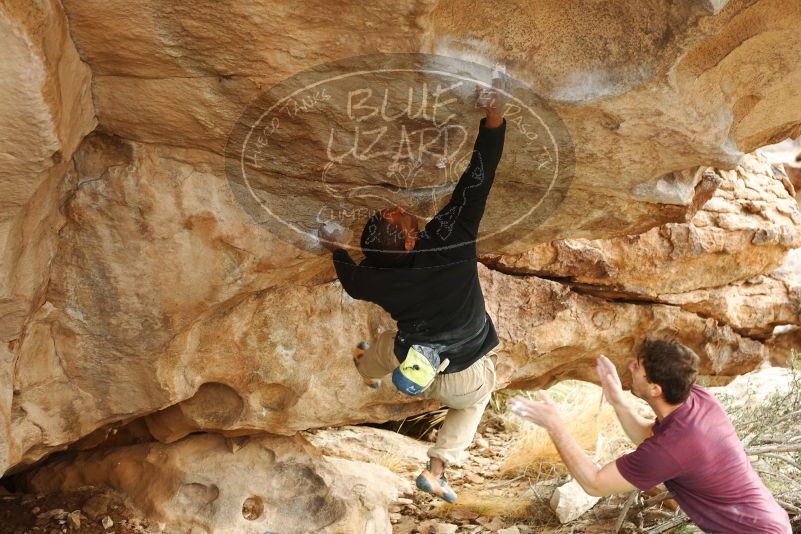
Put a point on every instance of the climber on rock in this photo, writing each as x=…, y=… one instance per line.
x=428, y=281
x=692, y=447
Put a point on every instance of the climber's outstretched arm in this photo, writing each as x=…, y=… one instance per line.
x=594, y=481
x=459, y=220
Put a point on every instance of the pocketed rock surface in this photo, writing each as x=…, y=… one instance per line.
x=141, y=304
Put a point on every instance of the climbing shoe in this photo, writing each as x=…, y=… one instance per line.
x=358, y=354
x=438, y=487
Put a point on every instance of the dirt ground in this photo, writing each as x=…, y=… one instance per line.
x=84, y=511
x=490, y=502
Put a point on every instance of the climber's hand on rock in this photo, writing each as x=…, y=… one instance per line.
x=333, y=236
x=493, y=99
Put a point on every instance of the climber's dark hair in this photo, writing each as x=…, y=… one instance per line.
x=382, y=242
x=671, y=365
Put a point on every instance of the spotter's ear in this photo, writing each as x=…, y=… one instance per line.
x=656, y=390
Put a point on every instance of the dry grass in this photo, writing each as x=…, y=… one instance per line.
x=503, y=506
x=396, y=463
x=771, y=435
x=424, y=423
x=594, y=426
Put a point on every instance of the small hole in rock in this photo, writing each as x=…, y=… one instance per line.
x=252, y=508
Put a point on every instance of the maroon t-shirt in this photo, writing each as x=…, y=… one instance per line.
x=697, y=454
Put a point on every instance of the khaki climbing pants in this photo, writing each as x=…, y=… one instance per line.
x=465, y=393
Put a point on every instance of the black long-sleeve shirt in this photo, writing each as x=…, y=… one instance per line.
x=435, y=294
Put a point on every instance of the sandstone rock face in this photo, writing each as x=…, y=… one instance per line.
x=246, y=486
x=214, y=375
x=781, y=346
x=712, y=265
x=371, y=445
x=47, y=101
x=45, y=110
x=167, y=278
x=552, y=333
x=138, y=291
x=786, y=156
x=753, y=307
x=744, y=229
x=180, y=73
x=136, y=295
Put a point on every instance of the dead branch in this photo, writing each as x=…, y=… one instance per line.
x=760, y=450
x=656, y=499
x=789, y=507
x=785, y=459
x=667, y=525
x=626, y=506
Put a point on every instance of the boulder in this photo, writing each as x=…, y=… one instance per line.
x=650, y=93
x=46, y=99
x=569, y=502
x=247, y=485
x=753, y=307
x=138, y=294
x=756, y=387
x=252, y=363
x=395, y=451
x=551, y=333
x=745, y=228
x=165, y=304
x=46, y=109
